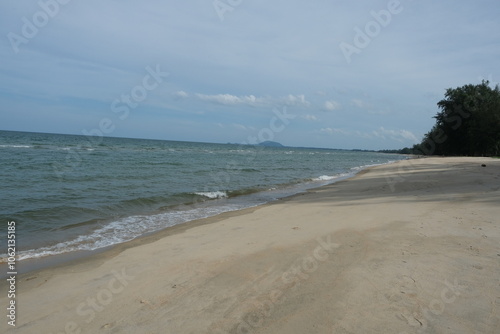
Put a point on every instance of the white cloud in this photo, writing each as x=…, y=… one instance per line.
x=240, y=127
x=360, y=103
x=181, y=94
x=331, y=105
x=228, y=99
x=253, y=101
x=382, y=133
x=295, y=100
x=332, y=131
x=310, y=117
x=363, y=134
x=399, y=135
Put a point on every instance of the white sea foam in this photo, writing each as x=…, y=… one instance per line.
x=212, y=194
x=325, y=178
x=124, y=230
x=339, y=176
x=357, y=169
x=16, y=146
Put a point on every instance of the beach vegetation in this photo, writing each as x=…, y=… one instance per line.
x=468, y=124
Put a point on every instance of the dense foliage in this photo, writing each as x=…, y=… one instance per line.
x=468, y=124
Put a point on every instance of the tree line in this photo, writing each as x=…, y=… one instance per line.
x=468, y=124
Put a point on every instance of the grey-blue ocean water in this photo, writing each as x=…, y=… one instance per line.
x=69, y=193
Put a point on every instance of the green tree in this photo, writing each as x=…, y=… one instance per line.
x=468, y=123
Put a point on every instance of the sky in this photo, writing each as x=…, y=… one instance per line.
x=332, y=74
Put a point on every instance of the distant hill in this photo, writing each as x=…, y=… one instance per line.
x=270, y=144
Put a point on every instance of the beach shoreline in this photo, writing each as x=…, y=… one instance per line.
x=27, y=266
x=376, y=252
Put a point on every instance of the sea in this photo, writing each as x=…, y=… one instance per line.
x=70, y=193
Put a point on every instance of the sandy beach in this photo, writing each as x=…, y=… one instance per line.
x=410, y=247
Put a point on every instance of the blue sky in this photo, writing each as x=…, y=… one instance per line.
x=342, y=74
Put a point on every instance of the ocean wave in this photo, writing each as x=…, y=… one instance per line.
x=249, y=170
x=16, y=146
x=359, y=168
x=212, y=194
x=325, y=178
x=333, y=177
x=49, y=147
x=124, y=230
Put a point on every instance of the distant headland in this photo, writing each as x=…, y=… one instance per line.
x=269, y=143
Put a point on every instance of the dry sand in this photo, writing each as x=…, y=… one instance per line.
x=411, y=247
